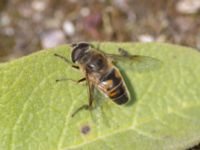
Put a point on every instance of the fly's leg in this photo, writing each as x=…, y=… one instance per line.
x=63, y=58
x=91, y=91
x=86, y=107
x=66, y=60
x=90, y=101
x=74, y=66
x=76, y=81
x=68, y=79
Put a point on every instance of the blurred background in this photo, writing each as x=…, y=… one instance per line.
x=30, y=25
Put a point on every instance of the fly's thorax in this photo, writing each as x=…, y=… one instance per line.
x=88, y=58
x=93, y=62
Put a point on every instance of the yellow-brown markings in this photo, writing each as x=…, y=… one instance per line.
x=109, y=84
x=112, y=94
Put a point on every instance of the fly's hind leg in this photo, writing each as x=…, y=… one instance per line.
x=90, y=101
x=79, y=109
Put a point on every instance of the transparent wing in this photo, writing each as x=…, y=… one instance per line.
x=135, y=62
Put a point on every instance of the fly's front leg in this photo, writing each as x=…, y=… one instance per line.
x=66, y=60
x=74, y=66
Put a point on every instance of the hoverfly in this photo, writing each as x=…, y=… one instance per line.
x=100, y=71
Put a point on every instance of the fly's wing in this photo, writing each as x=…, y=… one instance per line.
x=132, y=62
x=135, y=62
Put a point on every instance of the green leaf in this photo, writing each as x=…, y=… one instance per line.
x=35, y=111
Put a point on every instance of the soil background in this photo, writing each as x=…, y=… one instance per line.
x=30, y=25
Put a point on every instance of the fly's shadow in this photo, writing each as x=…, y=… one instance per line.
x=127, y=80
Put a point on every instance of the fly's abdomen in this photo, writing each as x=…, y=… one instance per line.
x=119, y=94
x=113, y=86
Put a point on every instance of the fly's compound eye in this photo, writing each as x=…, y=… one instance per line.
x=79, y=51
x=82, y=45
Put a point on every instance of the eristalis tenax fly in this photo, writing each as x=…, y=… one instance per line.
x=100, y=71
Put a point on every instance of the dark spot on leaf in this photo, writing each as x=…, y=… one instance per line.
x=85, y=129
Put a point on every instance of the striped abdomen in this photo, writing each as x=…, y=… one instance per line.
x=112, y=85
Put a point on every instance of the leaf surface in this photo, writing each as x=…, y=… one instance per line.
x=164, y=112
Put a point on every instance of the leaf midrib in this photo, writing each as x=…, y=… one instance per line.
x=132, y=127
